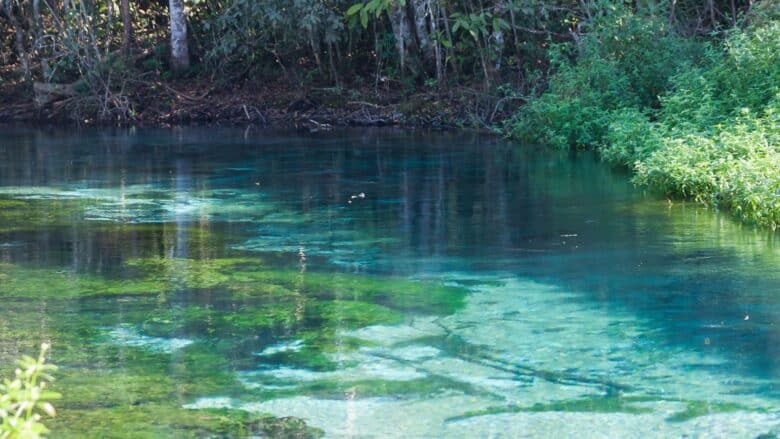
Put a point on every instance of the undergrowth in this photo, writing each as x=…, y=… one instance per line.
x=695, y=119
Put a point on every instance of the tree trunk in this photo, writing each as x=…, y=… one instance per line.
x=180, y=56
x=109, y=25
x=419, y=11
x=398, y=24
x=448, y=34
x=334, y=71
x=127, y=26
x=19, y=38
x=436, y=44
x=39, y=32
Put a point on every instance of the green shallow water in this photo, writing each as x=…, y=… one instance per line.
x=377, y=284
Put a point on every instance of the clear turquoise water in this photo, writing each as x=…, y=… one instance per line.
x=377, y=284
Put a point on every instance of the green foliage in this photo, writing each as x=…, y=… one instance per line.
x=363, y=11
x=737, y=167
x=698, y=120
x=25, y=399
x=625, y=60
x=250, y=34
x=719, y=130
x=630, y=137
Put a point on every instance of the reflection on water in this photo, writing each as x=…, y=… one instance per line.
x=377, y=283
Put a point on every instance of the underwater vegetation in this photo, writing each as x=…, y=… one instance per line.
x=16, y=215
x=614, y=404
x=179, y=309
x=141, y=341
x=170, y=330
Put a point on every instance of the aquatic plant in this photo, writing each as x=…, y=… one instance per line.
x=250, y=277
x=694, y=409
x=24, y=282
x=33, y=214
x=25, y=399
x=155, y=420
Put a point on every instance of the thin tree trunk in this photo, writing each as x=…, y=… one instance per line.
x=712, y=14
x=484, y=62
x=378, y=57
x=448, y=33
x=515, y=38
x=315, y=50
x=87, y=24
x=109, y=25
x=436, y=44
x=333, y=69
x=127, y=26
x=24, y=56
x=418, y=12
x=398, y=23
x=45, y=69
x=180, y=56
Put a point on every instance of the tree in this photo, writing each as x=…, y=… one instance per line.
x=180, y=56
x=127, y=25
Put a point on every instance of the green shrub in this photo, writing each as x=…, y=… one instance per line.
x=631, y=137
x=736, y=168
x=696, y=120
x=24, y=400
x=625, y=61
x=721, y=130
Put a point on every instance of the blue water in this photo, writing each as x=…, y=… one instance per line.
x=591, y=307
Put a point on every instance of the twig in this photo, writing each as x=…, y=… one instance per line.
x=501, y=101
x=265, y=122
x=367, y=104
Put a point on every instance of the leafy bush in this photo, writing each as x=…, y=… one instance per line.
x=278, y=33
x=691, y=119
x=720, y=130
x=24, y=399
x=625, y=61
x=630, y=137
x=737, y=167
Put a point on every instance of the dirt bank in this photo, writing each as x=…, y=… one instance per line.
x=318, y=108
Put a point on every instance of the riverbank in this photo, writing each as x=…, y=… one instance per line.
x=697, y=120
x=198, y=101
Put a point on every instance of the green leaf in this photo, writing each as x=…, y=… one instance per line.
x=500, y=24
x=354, y=9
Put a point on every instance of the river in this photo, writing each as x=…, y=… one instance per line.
x=377, y=283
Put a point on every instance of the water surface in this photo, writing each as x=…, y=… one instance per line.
x=377, y=284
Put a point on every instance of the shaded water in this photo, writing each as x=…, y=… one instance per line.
x=377, y=283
